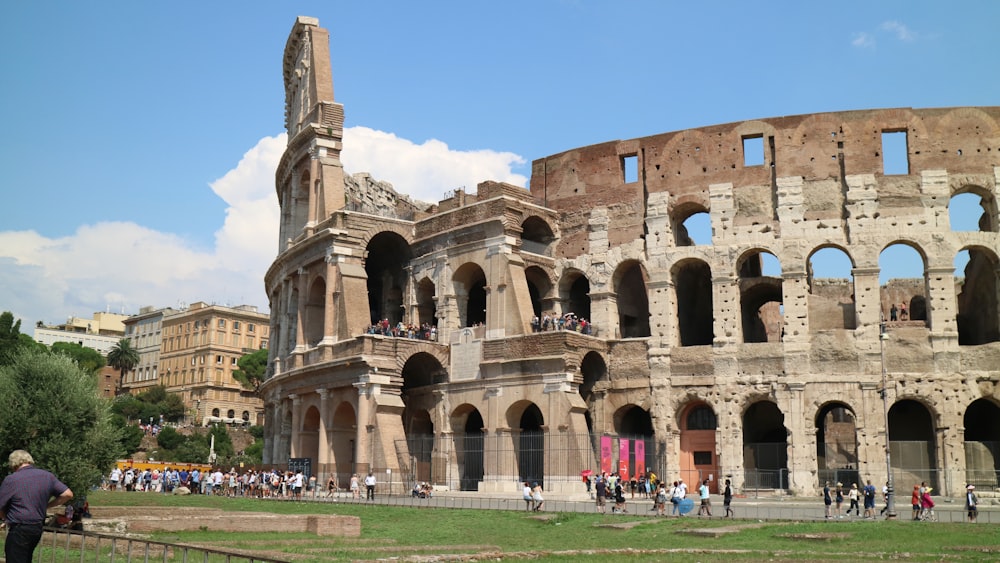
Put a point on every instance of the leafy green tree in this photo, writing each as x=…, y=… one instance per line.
x=193, y=450
x=11, y=339
x=154, y=395
x=88, y=359
x=169, y=439
x=172, y=407
x=223, y=443
x=123, y=358
x=128, y=407
x=131, y=435
x=253, y=369
x=52, y=409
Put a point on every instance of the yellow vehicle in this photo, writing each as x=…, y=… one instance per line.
x=125, y=464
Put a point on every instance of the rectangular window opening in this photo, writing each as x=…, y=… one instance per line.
x=895, y=160
x=702, y=458
x=630, y=168
x=753, y=150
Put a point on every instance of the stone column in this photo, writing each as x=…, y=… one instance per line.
x=295, y=447
x=267, y=454
x=300, y=327
x=867, y=298
x=324, y=436
x=329, y=303
x=801, y=462
x=951, y=459
x=726, y=308
x=603, y=306
x=364, y=443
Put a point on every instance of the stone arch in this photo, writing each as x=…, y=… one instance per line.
x=765, y=446
x=422, y=369
x=699, y=455
x=528, y=431
x=900, y=289
x=343, y=429
x=982, y=443
x=300, y=204
x=832, y=300
x=913, y=442
x=761, y=297
x=634, y=423
x=574, y=292
x=978, y=316
x=629, y=282
x=470, y=291
x=836, y=443
x=692, y=280
x=309, y=434
x=418, y=429
x=537, y=236
x=987, y=203
x=539, y=289
x=315, y=311
x=386, y=258
x=469, y=432
x=691, y=216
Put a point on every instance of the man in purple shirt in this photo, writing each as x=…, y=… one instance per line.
x=25, y=495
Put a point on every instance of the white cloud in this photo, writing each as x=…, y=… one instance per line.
x=123, y=265
x=901, y=32
x=863, y=40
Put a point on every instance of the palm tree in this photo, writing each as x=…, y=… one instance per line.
x=124, y=358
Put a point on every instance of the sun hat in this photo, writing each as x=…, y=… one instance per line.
x=971, y=487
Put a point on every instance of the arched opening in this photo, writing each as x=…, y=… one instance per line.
x=831, y=290
x=693, y=287
x=761, y=297
x=314, y=313
x=231, y=414
x=912, y=443
x=633, y=423
x=836, y=444
x=246, y=416
x=470, y=293
x=309, y=435
x=385, y=261
x=419, y=430
x=215, y=413
x=422, y=370
x=536, y=236
x=593, y=369
x=765, y=447
x=529, y=441
x=426, y=305
x=633, y=301
x=469, y=430
x=982, y=444
x=574, y=290
x=539, y=289
x=300, y=205
x=342, y=433
x=972, y=209
x=692, y=225
x=699, y=457
x=903, y=277
x=976, y=285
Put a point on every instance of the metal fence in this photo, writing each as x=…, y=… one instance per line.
x=59, y=545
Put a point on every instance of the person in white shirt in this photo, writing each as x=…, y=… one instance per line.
x=370, y=485
x=115, y=478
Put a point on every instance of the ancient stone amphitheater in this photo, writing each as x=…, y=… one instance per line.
x=702, y=356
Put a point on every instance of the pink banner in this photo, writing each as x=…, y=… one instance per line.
x=623, y=458
x=640, y=457
x=606, y=454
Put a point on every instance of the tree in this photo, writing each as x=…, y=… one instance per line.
x=123, y=358
x=11, y=339
x=52, y=408
x=169, y=439
x=253, y=369
x=88, y=359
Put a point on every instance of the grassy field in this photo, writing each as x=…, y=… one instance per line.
x=421, y=533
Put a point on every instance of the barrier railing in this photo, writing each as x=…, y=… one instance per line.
x=59, y=545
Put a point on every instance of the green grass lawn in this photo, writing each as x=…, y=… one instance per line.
x=398, y=532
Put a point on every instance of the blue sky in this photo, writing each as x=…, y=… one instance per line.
x=139, y=138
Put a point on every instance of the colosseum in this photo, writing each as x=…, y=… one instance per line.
x=585, y=323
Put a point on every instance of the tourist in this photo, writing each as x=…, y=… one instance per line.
x=536, y=495
x=676, y=496
x=915, y=501
x=727, y=500
x=706, y=500
x=854, y=495
x=661, y=500
x=331, y=485
x=370, y=486
x=971, y=502
x=869, y=494
x=529, y=502
x=25, y=495
x=839, y=499
x=601, y=488
x=355, y=486
x=827, y=501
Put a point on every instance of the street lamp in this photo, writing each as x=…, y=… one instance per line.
x=890, y=506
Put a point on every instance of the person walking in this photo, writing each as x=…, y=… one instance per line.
x=854, y=495
x=727, y=500
x=706, y=500
x=536, y=495
x=827, y=501
x=869, y=498
x=529, y=502
x=839, y=499
x=970, y=502
x=25, y=495
x=370, y=486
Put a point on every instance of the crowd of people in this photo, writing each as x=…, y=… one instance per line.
x=613, y=488
x=569, y=321
x=424, y=331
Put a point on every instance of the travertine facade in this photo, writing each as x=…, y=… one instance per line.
x=706, y=360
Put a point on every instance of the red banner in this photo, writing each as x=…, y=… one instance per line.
x=623, y=459
x=640, y=458
x=606, y=454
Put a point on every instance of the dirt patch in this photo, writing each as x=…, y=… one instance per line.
x=822, y=536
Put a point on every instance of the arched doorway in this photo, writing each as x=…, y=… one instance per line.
x=468, y=428
x=982, y=444
x=633, y=302
x=342, y=433
x=699, y=457
x=633, y=423
x=574, y=290
x=912, y=443
x=765, y=447
x=836, y=444
x=309, y=436
x=386, y=257
x=470, y=292
x=529, y=441
x=314, y=313
x=693, y=289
